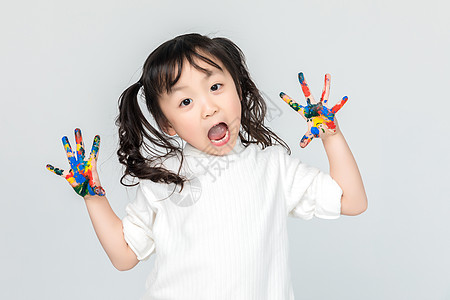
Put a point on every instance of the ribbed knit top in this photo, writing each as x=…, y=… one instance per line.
x=224, y=236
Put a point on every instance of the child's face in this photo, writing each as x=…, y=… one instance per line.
x=198, y=102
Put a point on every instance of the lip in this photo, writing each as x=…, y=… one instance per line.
x=218, y=124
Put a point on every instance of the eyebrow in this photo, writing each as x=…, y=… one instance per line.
x=207, y=75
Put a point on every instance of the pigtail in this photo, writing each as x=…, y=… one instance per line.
x=133, y=130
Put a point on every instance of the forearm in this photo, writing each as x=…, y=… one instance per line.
x=344, y=170
x=109, y=230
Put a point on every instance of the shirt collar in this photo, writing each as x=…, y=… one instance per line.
x=212, y=166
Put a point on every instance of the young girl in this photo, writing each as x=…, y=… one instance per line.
x=214, y=210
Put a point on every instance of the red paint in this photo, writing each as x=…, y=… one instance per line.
x=338, y=106
x=323, y=95
x=69, y=175
x=330, y=124
x=91, y=178
x=326, y=88
x=305, y=89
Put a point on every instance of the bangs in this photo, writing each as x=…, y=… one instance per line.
x=167, y=71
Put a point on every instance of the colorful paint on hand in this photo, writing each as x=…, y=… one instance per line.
x=319, y=117
x=80, y=176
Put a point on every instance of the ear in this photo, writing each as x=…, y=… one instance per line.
x=168, y=129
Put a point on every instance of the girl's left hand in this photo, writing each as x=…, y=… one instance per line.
x=319, y=117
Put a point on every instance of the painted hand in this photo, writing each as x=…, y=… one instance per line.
x=83, y=175
x=320, y=118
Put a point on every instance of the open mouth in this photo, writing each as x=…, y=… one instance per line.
x=219, y=134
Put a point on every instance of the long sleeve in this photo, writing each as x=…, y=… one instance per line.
x=138, y=225
x=308, y=191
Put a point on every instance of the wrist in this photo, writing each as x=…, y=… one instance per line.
x=329, y=138
x=89, y=197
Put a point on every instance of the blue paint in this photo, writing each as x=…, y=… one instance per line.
x=301, y=78
x=315, y=131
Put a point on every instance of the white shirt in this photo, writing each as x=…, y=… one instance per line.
x=224, y=236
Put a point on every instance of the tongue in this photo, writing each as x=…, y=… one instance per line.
x=217, y=132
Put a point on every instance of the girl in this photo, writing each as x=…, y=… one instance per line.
x=213, y=211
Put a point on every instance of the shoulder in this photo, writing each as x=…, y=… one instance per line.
x=157, y=191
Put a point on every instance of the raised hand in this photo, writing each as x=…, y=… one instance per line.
x=319, y=117
x=83, y=175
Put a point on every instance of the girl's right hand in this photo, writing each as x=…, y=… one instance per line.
x=82, y=176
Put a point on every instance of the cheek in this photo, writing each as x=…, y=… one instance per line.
x=238, y=107
x=187, y=124
x=237, y=111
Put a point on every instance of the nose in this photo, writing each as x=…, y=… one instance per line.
x=209, y=107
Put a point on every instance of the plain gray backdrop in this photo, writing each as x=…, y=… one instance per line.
x=65, y=63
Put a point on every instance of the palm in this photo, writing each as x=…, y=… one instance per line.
x=319, y=117
x=83, y=174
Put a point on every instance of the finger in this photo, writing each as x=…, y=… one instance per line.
x=339, y=105
x=80, y=145
x=306, y=139
x=55, y=170
x=95, y=148
x=305, y=89
x=297, y=107
x=326, y=89
x=69, y=152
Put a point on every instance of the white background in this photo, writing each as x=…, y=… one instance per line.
x=63, y=65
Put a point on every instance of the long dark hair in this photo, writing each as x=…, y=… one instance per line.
x=158, y=76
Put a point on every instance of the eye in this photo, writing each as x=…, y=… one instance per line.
x=184, y=101
x=215, y=87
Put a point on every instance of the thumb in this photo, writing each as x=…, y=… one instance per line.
x=306, y=139
x=99, y=191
